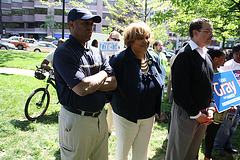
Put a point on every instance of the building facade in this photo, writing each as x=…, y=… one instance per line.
x=24, y=17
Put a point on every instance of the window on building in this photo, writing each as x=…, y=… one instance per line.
x=18, y=1
x=14, y=25
x=59, y=12
x=104, y=15
x=6, y=1
x=66, y=1
x=38, y=24
x=30, y=25
x=89, y=2
x=94, y=13
x=111, y=2
x=6, y=12
x=27, y=11
x=40, y=10
x=17, y=12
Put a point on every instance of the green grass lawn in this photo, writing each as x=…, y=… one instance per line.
x=22, y=139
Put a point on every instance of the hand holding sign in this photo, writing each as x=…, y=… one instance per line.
x=226, y=90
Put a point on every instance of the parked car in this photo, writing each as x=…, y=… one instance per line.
x=168, y=53
x=23, y=43
x=6, y=46
x=16, y=38
x=42, y=47
x=55, y=42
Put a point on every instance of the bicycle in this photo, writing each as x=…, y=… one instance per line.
x=38, y=101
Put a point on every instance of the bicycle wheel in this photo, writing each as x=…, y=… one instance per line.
x=37, y=104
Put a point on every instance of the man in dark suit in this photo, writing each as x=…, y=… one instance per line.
x=193, y=106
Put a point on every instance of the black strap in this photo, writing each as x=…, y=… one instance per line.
x=83, y=113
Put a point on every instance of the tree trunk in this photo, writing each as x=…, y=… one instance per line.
x=223, y=44
x=145, y=10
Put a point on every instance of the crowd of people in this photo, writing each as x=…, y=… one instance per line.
x=132, y=81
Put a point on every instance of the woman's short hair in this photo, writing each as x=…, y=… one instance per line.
x=196, y=24
x=113, y=33
x=216, y=52
x=135, y=31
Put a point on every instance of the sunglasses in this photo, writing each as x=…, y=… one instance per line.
x=115, y=39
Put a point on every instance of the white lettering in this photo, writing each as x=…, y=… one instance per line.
x=220, y=93
x=233, y=87
x=227, y=87
x=222, y=80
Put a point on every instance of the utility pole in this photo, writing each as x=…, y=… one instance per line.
x=63, y=16
x=145, y=16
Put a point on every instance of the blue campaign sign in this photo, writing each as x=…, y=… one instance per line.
x=108, y=46
x=226, y=90
x=237, y=75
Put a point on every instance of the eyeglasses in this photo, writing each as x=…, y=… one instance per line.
x=208, y=31
x=116, y=39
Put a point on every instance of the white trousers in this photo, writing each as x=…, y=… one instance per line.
x=110, y=119
x=135, y=135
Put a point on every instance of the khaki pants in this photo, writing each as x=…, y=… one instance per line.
x=135, y=135
x=185, y=135
x=82, y=137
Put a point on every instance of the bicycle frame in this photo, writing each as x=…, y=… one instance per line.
x=49, y=81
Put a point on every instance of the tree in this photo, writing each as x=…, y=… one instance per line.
x=160, y=33
x=125, y=12
x=224, y=15
x=74, y=3
x=50, y=23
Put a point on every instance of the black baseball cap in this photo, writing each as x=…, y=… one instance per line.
x=84, y=14
x=236, y=48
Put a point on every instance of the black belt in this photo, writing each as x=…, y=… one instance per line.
x=82, y=113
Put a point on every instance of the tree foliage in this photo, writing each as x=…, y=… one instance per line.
x=125, y=12
x=50, y=23
x=224, y=15
x=74, y=3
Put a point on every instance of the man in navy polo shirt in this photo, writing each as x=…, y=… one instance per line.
x=82, y=77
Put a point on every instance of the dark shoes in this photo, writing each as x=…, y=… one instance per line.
x=231, y=150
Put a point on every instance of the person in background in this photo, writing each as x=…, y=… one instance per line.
x=218, y=57
x=49, y=58
x=113, y=37
x=82, y=77
x=193, y=105
x=157, y=48
x=223, y=140
x=95, y=43
x=138, y=95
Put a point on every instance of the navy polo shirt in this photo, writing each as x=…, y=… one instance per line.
x=72, y=63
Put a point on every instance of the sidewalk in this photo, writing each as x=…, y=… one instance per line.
x=17, y=71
